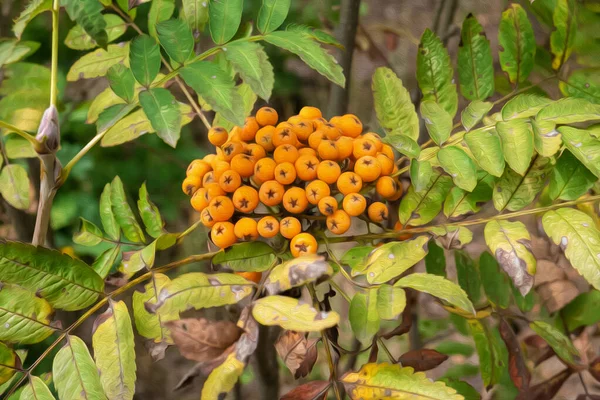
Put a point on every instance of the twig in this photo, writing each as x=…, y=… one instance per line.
x=387, y=351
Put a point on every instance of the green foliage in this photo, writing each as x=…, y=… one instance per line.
x=87, y=13
x=517, y=44
x=271, y=14
x=475, y=62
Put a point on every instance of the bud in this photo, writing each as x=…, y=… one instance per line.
x=49, y=132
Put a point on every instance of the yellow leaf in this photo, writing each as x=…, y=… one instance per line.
x=223, y=378
x=97, y=63
x=292, y=314
x=148, y=324
x=297, y=272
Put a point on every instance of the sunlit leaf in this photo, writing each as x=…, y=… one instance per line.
x=569, y=110
x=390, y=301
x=123, y=213
x=149, y=213
x=583, y=146
x=457, y=163
x=195, y=13
x=452, y=236
x=14, y=186
x=105, y=261
x=36, y=389
x=12, y=50
x=88, y=14
x=517, y=44
x=355, y=258
x=475, y=63
x=97, y=63
x=9, y=362
x=296, y=272
x=79, y=39
x=582, y=83
x=569, y=179
x=437, y=286
x=420, y=207
x=437, y=121
x=121, y=82
x=160, y=10
x=524, y=105
x=486, y=147
x=517, y=143
x=107, y=216
x=403, y=144
x=561, y=344
x=88, y=234
x=33, y=8
x=563, y=37
x=292, y=314
x=546, y=139
x=252, y=63
x=134, y=261
x=224, y=19
x=460, y=202
x=474, y=113
x=271, y=14
x=150, y=325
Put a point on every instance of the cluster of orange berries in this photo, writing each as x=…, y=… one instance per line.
x=303, y=166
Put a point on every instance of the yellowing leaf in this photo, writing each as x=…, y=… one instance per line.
x=150, y=325
x=386, y=381
x=419, y=207
x=8, y=363
x=296, y=272
x=14, y=186
x=390, y=301
x=98, y=62
x=563, y=37
x=583, y=146
x=36, y=389
x=292, y=314
x=517, y=143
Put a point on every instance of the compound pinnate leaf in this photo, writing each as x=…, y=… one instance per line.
x=79, y=39
x=24, y=317
x=486, y=147
x=162, y=110
x=74, y=372
x=570, y=179
x=524, y=105
x=32, y=9
x=292, y=314
x=105, y=261
x=517, y=44
x=203, y=340
x=391, y=302
x=296, y=272
x=439, y=287
x=393, y=105
x=510, y=244
x=123, y=213
x=437, y=121
x=151, y=325
x=97, y=63
x=475, y=62
x=561, y=344
x=474, y=113
x=36, y=389
x=435, y=73
x=114, y=351
x=379, y=381
x=252, y=63
x=562, y=38
x=310, y=52
x=88, y=14
x=176, y=38
x=363, y=315
x=195, y=13
x=225, y=17
x=149, y=213
x=569, y=110
x=14, y=186
x=392, y=259
x=579, y=238
x=198, y=290
x=121, y=82
x=457, y=163
x=420, y=207
x=584, y=146
x=255, y=256
x=88, y=234
x=65, y=282
x=517, y=143
x=144, y=59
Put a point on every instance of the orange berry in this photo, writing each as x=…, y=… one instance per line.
x=213, y=190
x=198, y=200
x=378, y=212
x=338, y=222
x=364, y=147
x=285, y=173
x=217, y=135
x=235, y=134
x=208, y=178
x=350, y=125
x=209, y=158
x=221, y=208
x=399, y=192
x=230, y=181
x=315, y=139
x=232, y=149
x=191, y=184
x=328, y=171
x=307, y=151
x=245, y=199
x=387, y=164
x=284, y=135
x=368, y=168
x=243, y=164
x=327, y=205
x=388, y=151
x=264, y=169
x=264, y=137
x=251, y=276
x=294, y=200
x=246, y=229
x=222, y=234
x=198, y=168
x=375, y=138
x=284, y=124
x=386, y=187
x=349, y=182
x=402, y=236
x=345, y=146
x=303, y=129
x=294, y=119
x=303, y=244
x=255, y=151
x=290, y=227
x=354, y=204
x=316, y=190
x=310, y=112
x=306, y=167
x=266, y=116
x=249, y=129
x=285, y=153
x=219, y=168
x=268, y=226
x=328, y=150
x=206, y=219
x=271, y=193
x=331, y=131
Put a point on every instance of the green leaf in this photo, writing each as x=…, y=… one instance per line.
x=296, y=272
x=380, y=381
x=198, y=290
x=149, y=213
x=88, y=234
x=392, y=259
x=524, y=105
x=517, y=143
x=569, y=110
x=88, y=14
x=105, y=261
x=74, y=372
x=391, y=301
x=579, y=238
x=17, y=147
x=569, y=179
x=517, y=44
x=97, y=63
x=513, y=192
x=435, y=260
x=12, y=50
x=468, y=275
x=36, y=389
x=162, y=110
x=248, y=99
x=315, y=34
x=160, y=10
x=420, y=207
x=582, y=311
x=144, y=58
x=561, y=344
x=457, y=163
x=176, y=38
x=495, y=283
x=106, y=99
x=475, y=62
x=121, y=82
x=65, y=282
x=255, y=256
x=524, y=303
x=224, y=19
x=420, y=173
x=486, y=147
x=134, y=261
x=462, y=388
x=252, y=63
x=271, y=15
x=195, y=13
x=355, y=257
x=452, y=236
x=437, y=286
x=474, y=113
x=78, y=38
x=510, y=244
x=546, y=139
x=363, y=315
x=582, y=83
x=490, y=364
x=114, y=351
x=563, y=37
x=583, y=146
x=123, y=213
x=435, y=73
x=107, y=216
x=9, y=362
x=459, y=202
x=33, y=8
x=216, y=87
x=14, y=186
x=403, y=144
x=437, y=121
x=150, y=325
x=310, y=52
x=292, y=314
x=24, y=317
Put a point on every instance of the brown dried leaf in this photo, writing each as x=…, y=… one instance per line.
x=298, y=353
x=203, y=340
x=403, y=328
x=594, y=369
x=309, y=391
x=516, y=365
x=422, y=359
x=555, y=295
x=536, y=342
x=547, y=389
